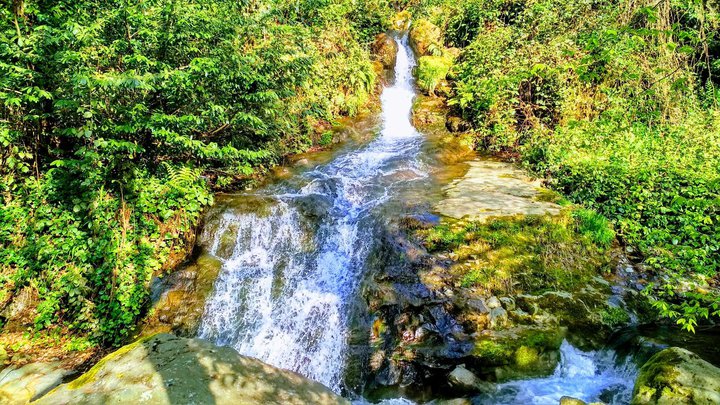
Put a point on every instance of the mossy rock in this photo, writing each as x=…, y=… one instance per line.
x=425, y=38
x=384, y=50
x=677, y=376
x=166, y=369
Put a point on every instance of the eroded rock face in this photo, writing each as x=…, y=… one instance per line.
x=677, y=376
x=179, y=298
x=166, y=369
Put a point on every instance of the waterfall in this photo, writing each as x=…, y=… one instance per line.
x=292, y=266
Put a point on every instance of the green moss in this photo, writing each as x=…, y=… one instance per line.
x=492, y=352
x=525, y=356
x=614, y=316
x=530, y=254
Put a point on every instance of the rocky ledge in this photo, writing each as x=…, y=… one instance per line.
x=166, y=369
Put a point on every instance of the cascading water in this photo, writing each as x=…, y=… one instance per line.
x=291, y=268
x=590, y=376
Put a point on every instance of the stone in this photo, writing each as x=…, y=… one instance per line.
x=508, y=303
x=494, y=302
x=22, y=385
x=571, y=401
x=494, y=189
x=425, y=35
x=454, y=401
x=179, y=298
x=677, y=376
x=166, y=369
x=385, y=49
x=465, y=380
x=498, y=318
x=478, y=305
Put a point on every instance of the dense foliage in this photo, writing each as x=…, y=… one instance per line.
x=616, y=103
x=118, y=117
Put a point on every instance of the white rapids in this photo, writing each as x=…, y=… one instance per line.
x=286, y=284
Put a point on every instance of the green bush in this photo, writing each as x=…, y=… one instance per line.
x=432, y=70
x=118, y=118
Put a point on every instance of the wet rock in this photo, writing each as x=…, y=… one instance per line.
x=384, y=50
x=457, y=124
x=390, y=375
x=571, y=401
x=179, y=298
x=22, y=385
x=677, y=376
x=166, y=369
x=465, y=380
x=455, y=401
x=498, y=318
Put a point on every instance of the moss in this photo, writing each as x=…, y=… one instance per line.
x=614, y=316
x=491, y=352
x=89, y=376
x=530, y=254
x=525, y=356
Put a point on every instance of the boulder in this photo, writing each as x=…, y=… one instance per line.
x=425, y=37
x=384, y=50
x=21, y=385
x=677, y=376
x=166, y=369
x=498, y=318
x=571, y=401
x=178, y=300
x=464, y=380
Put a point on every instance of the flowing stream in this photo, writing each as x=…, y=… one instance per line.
x=293, y=266
x=293, y=257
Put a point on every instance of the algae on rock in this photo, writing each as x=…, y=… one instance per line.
x=677, y=376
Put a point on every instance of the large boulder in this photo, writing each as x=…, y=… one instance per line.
x=21, y=385
x=385, y=50
x=677, y=376
x=166, y=369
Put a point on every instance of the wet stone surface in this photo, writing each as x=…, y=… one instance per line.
x=492, y=189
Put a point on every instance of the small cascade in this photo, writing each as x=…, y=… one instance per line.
x=591, y=376
x=294, y=259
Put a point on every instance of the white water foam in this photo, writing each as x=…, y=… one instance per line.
x=283, y=293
